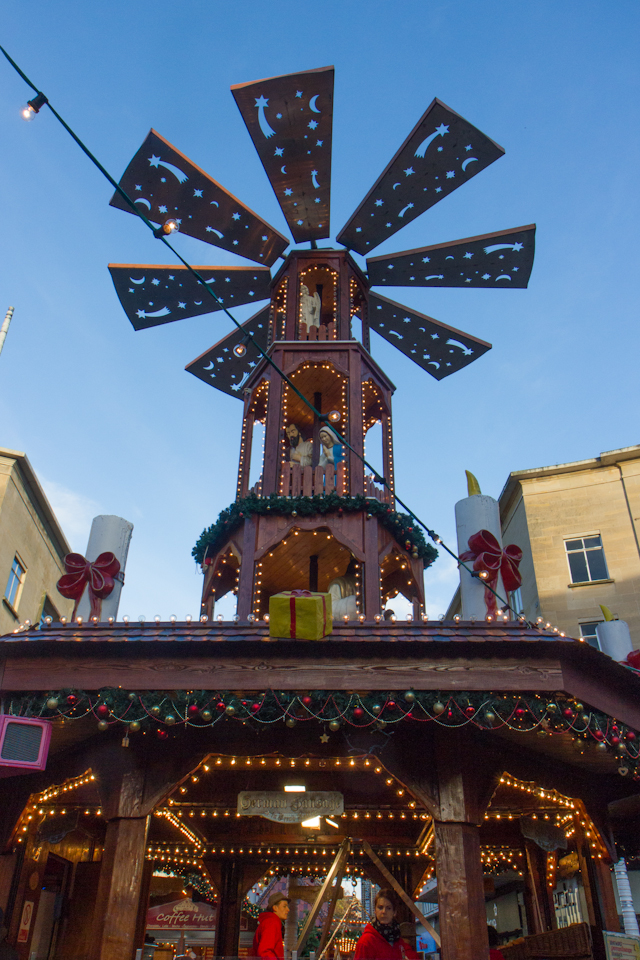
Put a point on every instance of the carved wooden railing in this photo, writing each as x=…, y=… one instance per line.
x=300, y=481
x=371, y=489
x=326, y=331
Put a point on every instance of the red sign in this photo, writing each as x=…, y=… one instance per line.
x=182, y=915
x=25, y=921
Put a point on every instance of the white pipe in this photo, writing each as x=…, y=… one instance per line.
x=4, y=329
x=112, y=534
x=475, y=513
x=629, y=919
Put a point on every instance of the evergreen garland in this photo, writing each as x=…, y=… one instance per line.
x=400, y=525
x=159, y=711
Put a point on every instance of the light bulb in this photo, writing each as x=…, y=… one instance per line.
x=333, y=416
x=34, y=106
x=240, y=349
x=171, y=226
x=28, y=113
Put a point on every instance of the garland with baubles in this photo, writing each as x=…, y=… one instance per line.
x=401, y=526
x=158, y=712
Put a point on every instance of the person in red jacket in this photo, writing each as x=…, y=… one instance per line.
x=380, y=939
x=267, y=941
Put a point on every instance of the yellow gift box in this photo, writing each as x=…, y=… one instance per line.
x=300, y=615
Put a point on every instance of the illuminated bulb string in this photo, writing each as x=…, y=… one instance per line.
x=161, y=236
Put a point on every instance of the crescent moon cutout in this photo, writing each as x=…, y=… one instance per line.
x=312, y=104
x=210, y=367
x=198, y=303
x=283, y=168
x=504, y=276
x=142, y=200
x=449, y=258
x=214, y=202
x=396, y=185
x=217, y=233
x=136, y=281
x=434, y=363
x=468, y=161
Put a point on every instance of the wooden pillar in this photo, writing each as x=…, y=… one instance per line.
x=232, y=880
x=371, y=579
x=119, y=888
x=463, y=917
x=604, y=884
x=536, y=899
x=356, y=427
x=247, y=567
x=463, y=793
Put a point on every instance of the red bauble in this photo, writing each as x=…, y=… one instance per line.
x=71, y=699
x=391, y=705
x=162, y=734
x=358, y=712
x=568, y=713
x=470, y=711
x=614, y=729
x=255, y=707
x=221, y=706
x=599, y=735
x=615, y=741
x=631, y=735
x=306, y=701
x=193, y=710
x=520, y=712
x=102, y=711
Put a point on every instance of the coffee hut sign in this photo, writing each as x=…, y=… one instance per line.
x=290, y=807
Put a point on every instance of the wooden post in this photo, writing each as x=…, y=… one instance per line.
x=119, y=888
x=335, y=869
x=371, y=579
x=232, y=880
x=393, y=883
x=604, y=884
x=247, y=568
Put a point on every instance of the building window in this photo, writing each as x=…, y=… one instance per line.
x=588, y=632
x=48, y=610
x=14, y=584
x=515, y=601
x=586, y=559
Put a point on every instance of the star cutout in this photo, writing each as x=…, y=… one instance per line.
x=514, y=269
x=388, y=224
x=468, y=147
x=138, y=186
x=197, y=193
x=324, y=738
x=450, y=174
x=440, y=149
x=517, y=247
x=131, y=290
x=298, y=94
x=406, y=320
x=434, y=336
x=288, y=192
x=265, y=238
x=163, y=179
x=312, y=124
x=278, y=116
x=236, y=216
x=467, y=256
x=317, y=200
x=358, y=229
x=390, y=266
x=426, y=259
x=140, y=314
x=319, y=143
x=235, y=243
x=182, y=306
x=209, y=229
x=408, y=171
x=379, y=203
x=162, y=209
x=171, y=278
x=279, y=151
x=299, y=222
x=261, y=102
x=219, y=359
x=468, y=280
x=442, y=129
x=227, y=279
x=154, y=161
x=486, y=276
x=155, y=282
x=438, y=189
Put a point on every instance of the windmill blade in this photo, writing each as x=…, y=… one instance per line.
x=437, y=348
x=442, y=152
x=494, y=260
x=151, y=295
x=290, y=120
x=221, y=368
x=165, y=183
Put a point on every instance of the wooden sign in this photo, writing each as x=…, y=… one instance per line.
x=619, y=946
x=290, y=807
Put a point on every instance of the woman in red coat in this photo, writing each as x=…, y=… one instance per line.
x=380, y=939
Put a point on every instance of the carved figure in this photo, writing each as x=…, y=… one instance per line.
x=331, y=447
x=343, y=597
x=310, y=307
x=300, y=451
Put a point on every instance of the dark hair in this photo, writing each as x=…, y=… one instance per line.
x=494, y=939
x=386, y=894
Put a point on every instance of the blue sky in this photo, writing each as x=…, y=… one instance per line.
x=109, y=418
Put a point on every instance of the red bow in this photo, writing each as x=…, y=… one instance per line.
x=99, y=575
x=633, y=660
x=300, y=593
x=487, y=555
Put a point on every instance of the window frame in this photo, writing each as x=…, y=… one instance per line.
x=586, y=637
x=583, y=553
x=12, y=602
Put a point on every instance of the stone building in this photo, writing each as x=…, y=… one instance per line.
x=32, y=547
x=576, y=524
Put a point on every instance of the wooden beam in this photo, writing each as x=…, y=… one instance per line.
x=337, y=867
x=393, y=883
x=335, y=894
